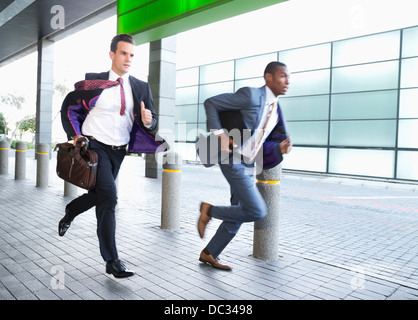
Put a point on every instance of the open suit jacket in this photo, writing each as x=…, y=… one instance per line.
x=78, y=103
x=243, y=110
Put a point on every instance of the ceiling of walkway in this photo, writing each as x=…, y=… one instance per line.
x=24, y=22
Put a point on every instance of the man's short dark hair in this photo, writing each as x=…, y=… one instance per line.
x=273, y=66
x=120, y=37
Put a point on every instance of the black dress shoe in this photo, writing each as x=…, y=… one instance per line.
x=118, y=270
x=64, y=224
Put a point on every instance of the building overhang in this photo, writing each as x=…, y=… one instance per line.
x=150, y=20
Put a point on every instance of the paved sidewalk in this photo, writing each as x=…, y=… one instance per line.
x=340, y=239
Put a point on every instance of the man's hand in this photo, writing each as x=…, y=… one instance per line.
x=75, y=138
x=146, y=115
x=285, y=146
x=226, y=142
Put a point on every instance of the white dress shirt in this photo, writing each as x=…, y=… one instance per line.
x=249, y=146
x=104, y=121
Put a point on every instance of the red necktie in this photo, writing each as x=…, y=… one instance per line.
x=122, y=96
x=103, y=84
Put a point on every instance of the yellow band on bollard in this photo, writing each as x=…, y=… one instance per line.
x=20, y=150
x=43, y=153
x=170, y=170
x=268, y=181
x=4, y=148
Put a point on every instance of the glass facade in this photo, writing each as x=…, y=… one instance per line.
x=352, y=106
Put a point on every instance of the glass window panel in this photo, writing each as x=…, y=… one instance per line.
x=369, y=133
x=305, y=108
x=374, y=163
x=308, y=83
x=210, y=90
x=255, y=82
x=375, y=76
x=410, y=42
x=408, y=134
x=297, y=159
x=384, y=46
x=407, y=167
x=365, y=105
x=187, y=77
x=409, y=73
x=308, y=58
x=309, y=132
x=217, y=72
x=408, y=103
x=186, y=113
x=254, y=66
x=202, y=114
x=187, y=151
x=188, y=95
x=185, y=132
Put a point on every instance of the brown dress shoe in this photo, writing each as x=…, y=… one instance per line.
x=204, y=218
x=208, y=258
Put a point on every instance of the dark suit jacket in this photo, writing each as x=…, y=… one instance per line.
x=243, y=110
x=78, y=104
x=140, y=91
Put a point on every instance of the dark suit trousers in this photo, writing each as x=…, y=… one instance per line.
x=103, y=196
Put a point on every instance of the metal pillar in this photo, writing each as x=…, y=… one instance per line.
x=4, y=157
x=170, y=195
x=42, y=165
x=266, y=231
x=162, y=81
x=45, y=91
x=20, y=161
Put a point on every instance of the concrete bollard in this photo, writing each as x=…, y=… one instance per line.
x=20, y=161
x=170, y=200
x=4, y=157
x=70, y=190
x=266, y=231
x=42, y=165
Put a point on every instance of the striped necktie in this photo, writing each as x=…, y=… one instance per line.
x=103, y=84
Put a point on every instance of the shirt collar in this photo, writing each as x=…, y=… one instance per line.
x=270, y=97
x=113, y=76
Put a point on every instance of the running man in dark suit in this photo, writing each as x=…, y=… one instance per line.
x=111, y=110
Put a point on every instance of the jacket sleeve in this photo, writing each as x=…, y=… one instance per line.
x=149, y=104
x=215, y=105
x=73, y=113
